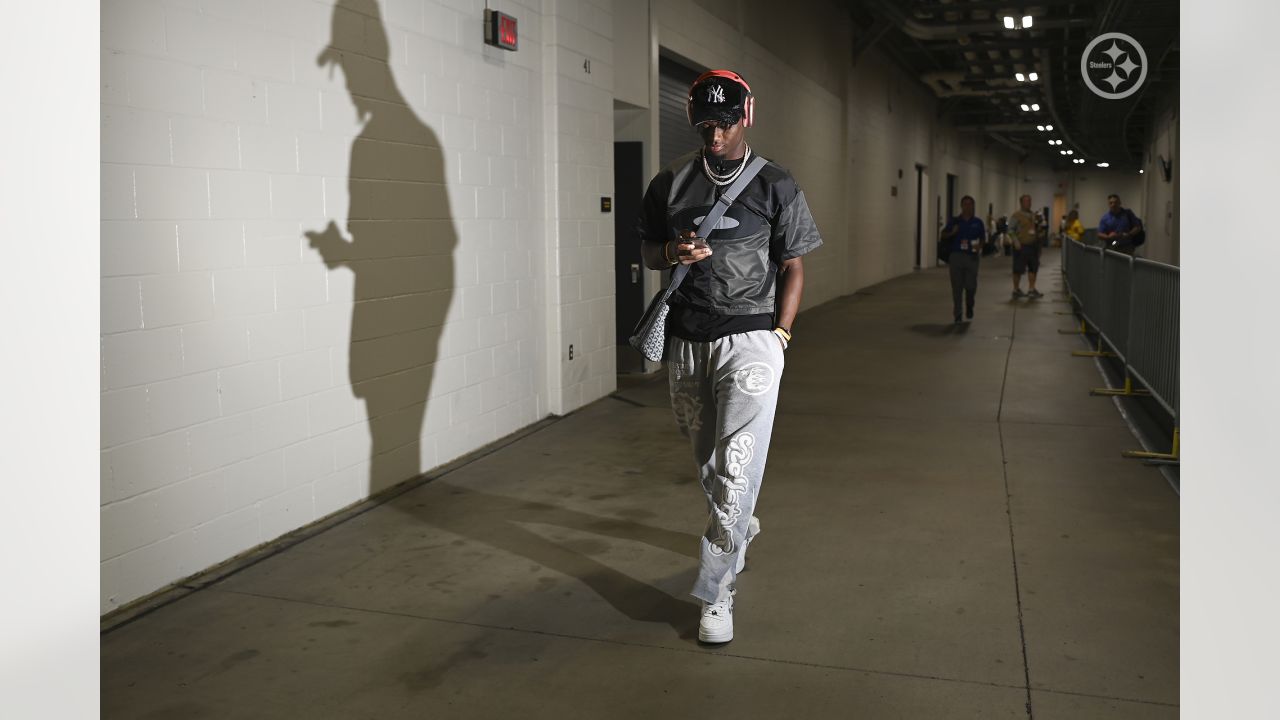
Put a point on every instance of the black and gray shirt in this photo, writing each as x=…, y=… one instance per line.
x=733, y=290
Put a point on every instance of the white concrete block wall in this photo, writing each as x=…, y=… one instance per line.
x=578, y=107
x=228, y=414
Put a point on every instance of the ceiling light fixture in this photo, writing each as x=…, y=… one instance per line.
x=1071, y=152
x=1035, y=107
x=1040, y=128
x=1025, y=108
x=1048, y=127
x=1033, y=77
x=1104, y=164
x=1021, y=77
x=1026, y=21
x=1008, y=22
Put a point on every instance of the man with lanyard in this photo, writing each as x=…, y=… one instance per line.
x=967, y=235
x=1026, y=249
x=726, y=333
x=1118, y=227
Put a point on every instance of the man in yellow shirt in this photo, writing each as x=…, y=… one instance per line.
x=1026, y=249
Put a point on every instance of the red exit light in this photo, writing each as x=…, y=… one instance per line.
x=500, y=30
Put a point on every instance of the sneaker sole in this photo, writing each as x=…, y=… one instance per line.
x=714, y=638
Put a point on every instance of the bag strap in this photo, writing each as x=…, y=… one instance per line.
x=726, y=199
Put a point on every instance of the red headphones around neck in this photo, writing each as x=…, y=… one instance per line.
x=748, y=104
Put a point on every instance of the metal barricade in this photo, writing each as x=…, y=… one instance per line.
x=1114, y=301
x=1132, y=305
x=1155, y=328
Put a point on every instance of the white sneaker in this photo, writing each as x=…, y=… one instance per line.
x=717, y=621
x=753, y=529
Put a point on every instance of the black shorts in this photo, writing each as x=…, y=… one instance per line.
x=1026, y=259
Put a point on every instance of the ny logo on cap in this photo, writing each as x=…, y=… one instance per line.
x=715, y=93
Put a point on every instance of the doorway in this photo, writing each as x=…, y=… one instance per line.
x=628, y=296
x=922, y=222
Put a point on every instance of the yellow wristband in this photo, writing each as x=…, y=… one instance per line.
x=785, y=335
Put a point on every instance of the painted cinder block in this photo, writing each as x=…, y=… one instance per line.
x=262, y=54
x=200, y=40
x=279, y=425
x=121, y=305
x=148, y=464
x=220, y=443
x=167, y=85
x=249, y=482
x=182, y=402
x=301, y=286
x=273, y=335
x=268, y=148
x=123, y=416
x=214, y=344
x=144, y=356
x=243, y=291
x=249, y=386
x=138, y=248
x=305, y=373
x=137, y=136
x=240, y=195
x=178, y=299
x=234, y=96
x=292, y=107
x=116, y=199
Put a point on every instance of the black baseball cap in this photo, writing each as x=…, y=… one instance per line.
x=717, y=98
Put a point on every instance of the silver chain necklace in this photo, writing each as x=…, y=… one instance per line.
x=723, y=180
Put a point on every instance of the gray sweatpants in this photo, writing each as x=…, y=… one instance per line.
x=724, y=394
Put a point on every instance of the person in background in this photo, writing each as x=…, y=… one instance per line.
x=966, y=234
x=1026, y=248
x=1074, y=228
x=1119, y=227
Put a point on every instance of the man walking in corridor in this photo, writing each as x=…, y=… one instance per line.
x=729, y=321
x=966, y=235
x=1026, y=249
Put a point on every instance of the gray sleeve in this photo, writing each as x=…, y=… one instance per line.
x=794, y=233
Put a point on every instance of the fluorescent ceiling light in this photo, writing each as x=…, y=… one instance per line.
x=1051, y=142
x=1071, y=152
x=1140, y=172
x=1024, y=107
x=1104, y=164
x=1026, y=21
x=1008, y=22
x=1020, y=76
x=1035, y=107
x=1040, y=128
x=1048, y=127
x=1033, y=77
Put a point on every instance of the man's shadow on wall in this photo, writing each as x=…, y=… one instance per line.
x=402, y=240
x=400, y=250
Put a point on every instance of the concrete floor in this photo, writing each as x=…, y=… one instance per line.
x=949, y=531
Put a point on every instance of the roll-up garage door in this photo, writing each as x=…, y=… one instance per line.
x=675, y=137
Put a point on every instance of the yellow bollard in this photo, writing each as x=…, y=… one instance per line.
x=1169, y=457
x=1127, y=391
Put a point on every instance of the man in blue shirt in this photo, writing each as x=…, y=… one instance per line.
x=966, y=234
x=1119, y=229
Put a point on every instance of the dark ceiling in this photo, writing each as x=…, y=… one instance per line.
x=961, y=50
